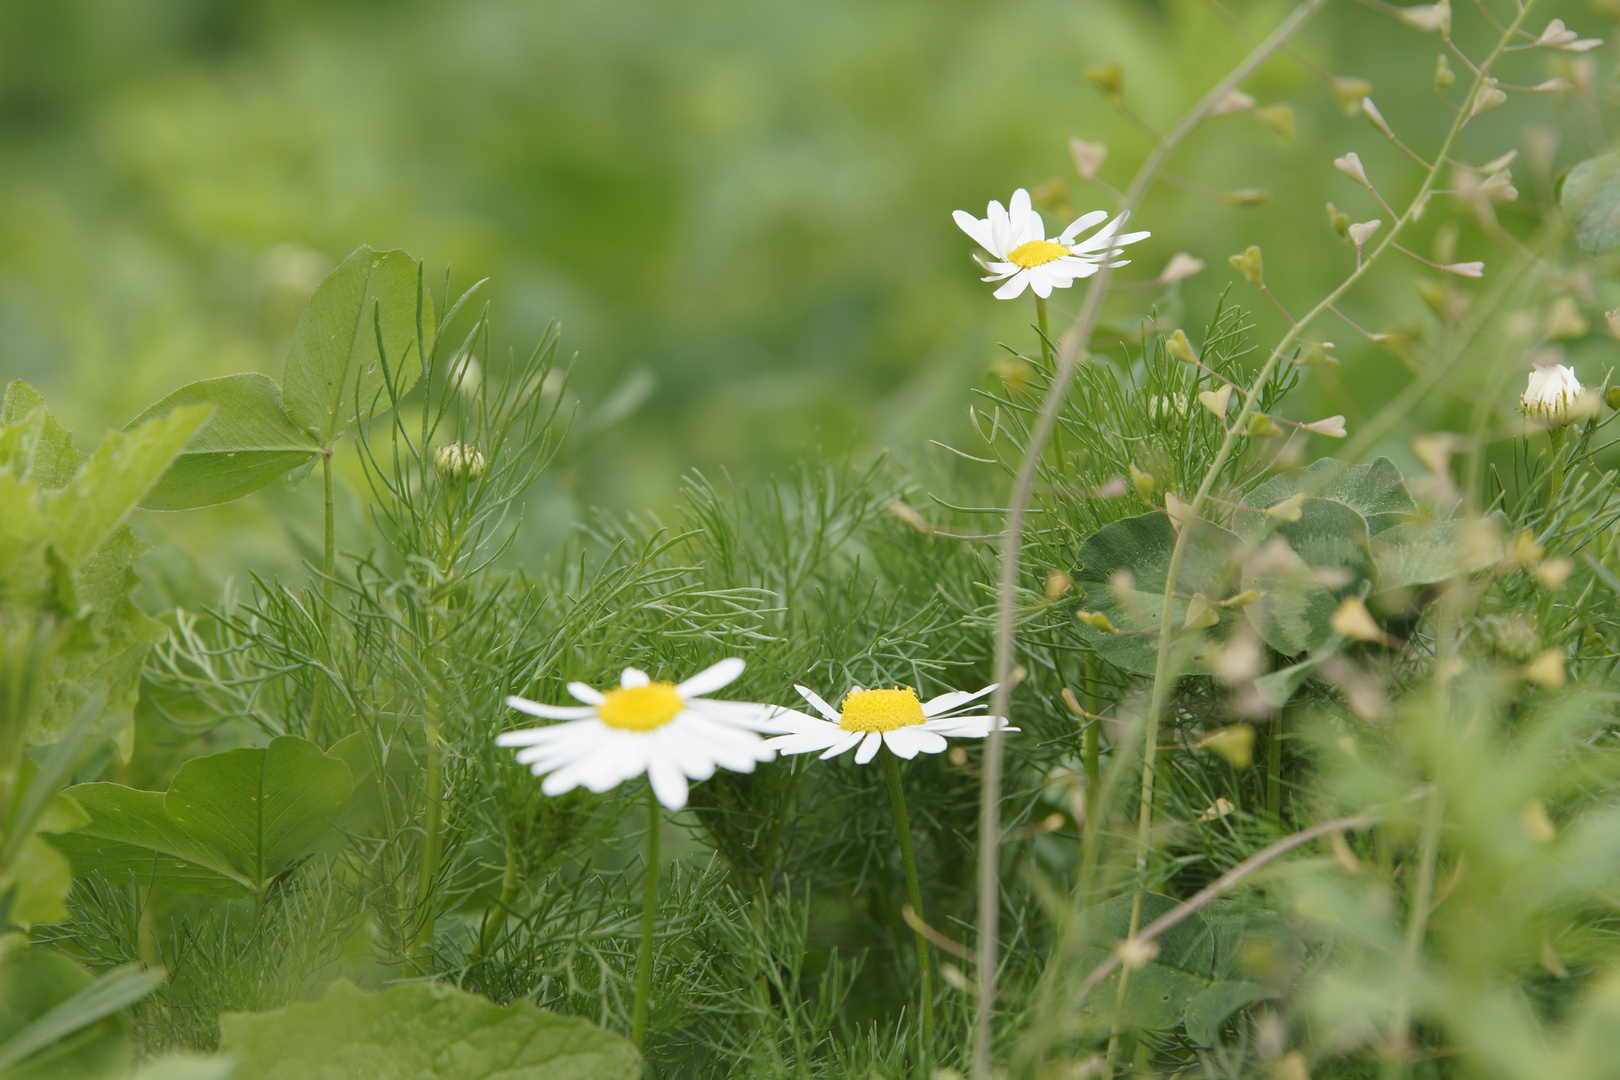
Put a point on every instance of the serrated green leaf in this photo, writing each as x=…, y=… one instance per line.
x=426, y=1031
x=33, y=983
x=1376, y=491
x=32, y=444
x=333, y=369
x=246, y=443
x=1591, y=200
x=1304, y=571
x=1140, y=547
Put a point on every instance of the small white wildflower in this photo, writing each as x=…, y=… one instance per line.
x=1350, y=165
x=1430, y=18
x=1559, y=36
x=1016, y=236
x=460, y=461
x=1332, y=427
x=1167, y=408
x=1362, y=231
x=1553, y=395
x=877, y=718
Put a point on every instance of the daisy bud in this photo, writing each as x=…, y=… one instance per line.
x=1290, y=509
x=1142, y=482
x=1249, y=265
x=1350, y=165
x=1109, y=78
x=1362, y=231
x=1546, y=670
x=1487, y=98
x=1279, y=118
x=1235, y=744
x=1057, y=583
x=1465, y=269
x=1565, y=321
x=1216, y=400
x=1179, y=347
x=1354, y=621
x=1430, y=18
x=1332, y=427
x=1180, y=267
x=1552, y=395
x=458, y=462
x=1376, y=117
x=1234, y=101
x=1096, y=620
x=1350, y=92
x=1443, y=75
x=1088, y=157
x=1261, y=427
x=1339, y=220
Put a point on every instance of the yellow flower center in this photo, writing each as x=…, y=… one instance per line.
x=881, y=710
x=1035, y=253
x=640, y=708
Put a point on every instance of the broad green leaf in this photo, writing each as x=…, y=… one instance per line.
x=1591, y=200
x=246, y=443
x=32, y=444
x=1377, y=491
x=40, y=876
x=230, y=824
x=1123, y=571
x=185, y=1067
x=1304, y=570
x=115, y=479
x=1211, y=1007
x=93, y=1002
x=34, y=983
x=1425, y=552
x=425, y=1031
x=333, y=369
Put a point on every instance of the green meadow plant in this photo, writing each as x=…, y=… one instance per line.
x=1286, y=763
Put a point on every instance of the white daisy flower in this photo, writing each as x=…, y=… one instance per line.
x=1025, y=257
x=1553, y=395
x=667, y=730
x=873, y=718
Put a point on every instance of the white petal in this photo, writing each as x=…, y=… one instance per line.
x=686, y=751
x=551, y=734
x=978, y=229
x=771, y=719
x=805, y=742
x=873, y=740
x=633, y=677
x=722, y=743
x=818, y=704
x=589, y=695
x=1014, y=287
x=667, y=783
x=712, y=678
x=1018, y=205
x=849, y=739
x=908, y=742
x=550, y=712
x=966, y=727
x=1081, y=224
x=1000, y=230
x=1041, y=282
x=944, y=703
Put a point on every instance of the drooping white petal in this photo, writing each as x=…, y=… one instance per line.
x=966, y=727
x=712, y=678
x=978, y=229
x=908, y=742
x=1080, y=225
x=804, y=742
x=633, y=677
x=549, y=712
x=1041, y=282
x=1014, y=287
x=869, y=746
x=818, y=704
x=727, y=745
x=588, y=694
x=668, y=784
x=753, y=716
x=955, y=699
x=685, y=750
x=849, y=739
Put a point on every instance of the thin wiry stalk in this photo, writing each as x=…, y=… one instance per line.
x=1069, y=356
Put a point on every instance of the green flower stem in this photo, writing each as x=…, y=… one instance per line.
x=1040, y=320
x=1274, y=771
x=897, y=795
x=329, y=554
x=1088, y=749
x=649, y=919
x=1556, y=437
x=432, y=815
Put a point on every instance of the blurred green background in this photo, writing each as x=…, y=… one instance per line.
x=739, y=210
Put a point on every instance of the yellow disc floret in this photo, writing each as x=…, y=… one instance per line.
x=881, y=710
x=1036, y=253
x=640, y=708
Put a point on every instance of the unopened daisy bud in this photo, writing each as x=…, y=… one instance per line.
x=1279, y=118
x=1362, y=231
x=1376, y=117
x=1249, y=265
x=1057, y=583
x=1235, y=744
x=1350, y=165
x=1332, y=427
x=1261, y=427
x=1180, y=348
x=1611, y=397
x=1350, y=92
x=1234, y=101
x=1339, y=220
x=1353, y=620
x=1465, y=269
x=1142, y=482
x=1488, y=97
x=1430, y=18
x=1109, y=78
x=1552, y=395
x=1564, y=320
x=1290, y=509
x=1096, y=620
x=1216, y=400
x=1546, y=670
x=1180, y=267
x=1443, y=75
x=459, y=461
x=1088, y=157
